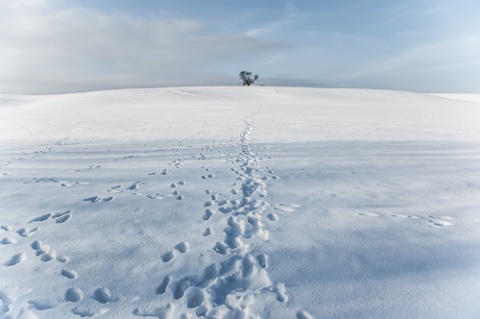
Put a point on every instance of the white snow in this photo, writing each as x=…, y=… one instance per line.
x=235, y=202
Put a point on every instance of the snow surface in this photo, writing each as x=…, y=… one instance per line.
x=234, y=202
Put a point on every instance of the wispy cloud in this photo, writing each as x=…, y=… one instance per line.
x=46, y=49
x=440, y=61
x=290, y=15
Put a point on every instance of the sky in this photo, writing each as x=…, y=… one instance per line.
x=58, y=46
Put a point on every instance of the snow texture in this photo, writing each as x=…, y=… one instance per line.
x=226, y=202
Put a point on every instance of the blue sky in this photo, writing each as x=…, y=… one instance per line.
x=53, y=46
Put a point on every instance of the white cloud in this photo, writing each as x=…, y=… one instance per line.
x=47, y=49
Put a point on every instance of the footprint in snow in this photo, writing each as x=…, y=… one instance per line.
x=369, y=214
x=162, y=288
x=40, y=218
x=83, y=311
x=44, y=251
x=135, y=186
x=43, y=304
x=70, y=274
x=159, y=312
x=287, y=208
x=103, y=295
x=433, y=221
x=208, y=213
x=73, y=295
x=15, y=259
x=440, y=221
x=59, y=217
x=27, y=232
x=98, y=199
x=62, y=219
x=273, y=217
x=180, y=183
x=8, y=241
x=302, y=314
x=207, y=232
x=166, y=257
x=115, y=189
x=181, y=247
x=400, y=216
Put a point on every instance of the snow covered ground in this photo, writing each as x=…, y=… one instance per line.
x=234, y=202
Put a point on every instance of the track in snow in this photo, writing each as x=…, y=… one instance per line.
x=227, y=288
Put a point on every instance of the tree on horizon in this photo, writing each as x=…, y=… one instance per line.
x=248, y=78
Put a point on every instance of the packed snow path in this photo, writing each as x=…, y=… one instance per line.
x=232, y=203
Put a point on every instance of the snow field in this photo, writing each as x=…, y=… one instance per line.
x=239, y=203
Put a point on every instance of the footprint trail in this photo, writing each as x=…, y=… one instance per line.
x=229, y=288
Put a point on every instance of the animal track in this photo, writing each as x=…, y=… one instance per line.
x=62, y=219
x=41, y=218
x=272, y=217
x=207, y=231
x=126, y=157
x=38, y=247
x=59, y=215
x=159, y=312
x=103, y=295
x=44, y=251
x=88, y=312
x=432, y=221
x=240, y=276
x=135, y=186
x=162, y=288
x=43, y=304
x=27, y=232
x=70, y=274
x=73, y=295
x=90, y=167
x=370, y=214
x=59, y=218
x=208, y=213
x=304, y=315
x=195, y=297
x=167, y=256
x=98, y=199
x=208, y=176
x=55, y=180
x=15, y=259
x=236, y=216
x=181, y=247
x=262, y=260
x=115, y=189
x=8, y=241
x=287, y=208
x=440, y=221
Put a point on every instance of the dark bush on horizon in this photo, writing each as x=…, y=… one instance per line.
x=248, y=78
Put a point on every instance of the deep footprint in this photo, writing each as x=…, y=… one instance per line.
x=162, y=288
x=73, y=295
x=103, y=295
x=181, y=247
x=167, y=256
x=16, y=259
